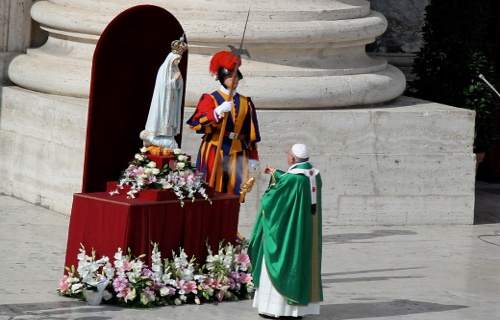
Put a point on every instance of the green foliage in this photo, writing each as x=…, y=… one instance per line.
x=480, y=98
x=458, y=46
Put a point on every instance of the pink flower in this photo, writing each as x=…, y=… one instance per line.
x=235, y=276
x=209, y=283
x=123, y=293
x=186, y=287
x=190, y=286
x=120, y=285
x=146, y=272
x=138, y=171
x=243, y=258
x=63, y=284
x=245, y=277
x=151, y=179
x=127, y=266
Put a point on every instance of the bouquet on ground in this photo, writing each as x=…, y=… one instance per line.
x=175, y=281
x=182, y=178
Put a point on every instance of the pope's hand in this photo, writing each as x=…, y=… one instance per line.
x=269, y=170
x=224, y=107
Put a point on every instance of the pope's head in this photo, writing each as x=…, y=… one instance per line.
x=298, y=153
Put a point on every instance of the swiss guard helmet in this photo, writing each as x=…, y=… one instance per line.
x=223, y=64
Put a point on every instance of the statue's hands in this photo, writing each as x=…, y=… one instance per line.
x=177, y=75
x=269, y=170
x=224, y=107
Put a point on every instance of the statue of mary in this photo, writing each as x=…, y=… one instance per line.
x=164, y=118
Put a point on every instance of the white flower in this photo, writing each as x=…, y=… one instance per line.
x=180, y=165
x=164, y=291
x=131, y=194
x=182, y=157
x=130, y=296
x=139, y=157
x=177, y=301
x=76, y=288
x=143, y=149
x=166, y=278
x=109, y=271
x=187, y=274
x=151, y=164
x=155, y=171
x=144, y=299
x=156, y=265
x=177, y=151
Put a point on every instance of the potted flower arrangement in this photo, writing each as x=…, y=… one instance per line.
x=180, y=177
x=175, y=281
x=90, y=279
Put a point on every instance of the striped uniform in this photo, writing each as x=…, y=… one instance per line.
x=239, y=143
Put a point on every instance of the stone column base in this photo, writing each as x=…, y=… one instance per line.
x=406, y=163
x=42, y=139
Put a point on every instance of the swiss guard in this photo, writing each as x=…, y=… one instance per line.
x=238, y=150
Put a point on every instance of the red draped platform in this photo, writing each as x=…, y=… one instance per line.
x=105, y=222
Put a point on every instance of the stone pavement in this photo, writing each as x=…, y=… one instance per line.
x=425, y=272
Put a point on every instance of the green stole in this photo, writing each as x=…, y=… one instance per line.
x=288, y=235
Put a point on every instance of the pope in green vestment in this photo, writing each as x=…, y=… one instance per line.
x=287, y=234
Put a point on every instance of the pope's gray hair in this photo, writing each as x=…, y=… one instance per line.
x=299, y=160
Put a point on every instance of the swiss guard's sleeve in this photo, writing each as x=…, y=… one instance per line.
x=203, y=117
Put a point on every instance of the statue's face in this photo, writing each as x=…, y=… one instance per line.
x=177, y=60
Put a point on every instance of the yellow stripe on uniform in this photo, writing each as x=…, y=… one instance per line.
x=232, y=174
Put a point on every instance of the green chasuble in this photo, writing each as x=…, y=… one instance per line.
x=288, y=235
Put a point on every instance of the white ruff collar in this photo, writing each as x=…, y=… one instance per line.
x=225, y=91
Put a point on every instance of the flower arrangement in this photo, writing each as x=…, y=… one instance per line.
x=175, y=281
x=142, y=173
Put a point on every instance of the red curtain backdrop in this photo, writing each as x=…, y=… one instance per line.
x=126, y=60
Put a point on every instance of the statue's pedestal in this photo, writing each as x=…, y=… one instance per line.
x=410, y=162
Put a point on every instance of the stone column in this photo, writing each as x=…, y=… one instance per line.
x=15, y=30
x=314, y=50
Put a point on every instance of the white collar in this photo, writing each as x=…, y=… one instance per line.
x=224, y=90
x=296, y=164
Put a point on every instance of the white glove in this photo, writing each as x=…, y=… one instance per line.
x=253, y=164
x=224, y=107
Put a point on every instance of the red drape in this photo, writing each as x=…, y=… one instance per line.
x=105, y=223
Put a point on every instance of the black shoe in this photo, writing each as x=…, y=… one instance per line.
x=265, y=316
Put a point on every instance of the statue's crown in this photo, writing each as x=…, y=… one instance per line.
x=179, y=46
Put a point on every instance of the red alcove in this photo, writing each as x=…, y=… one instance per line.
x=126, y=60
